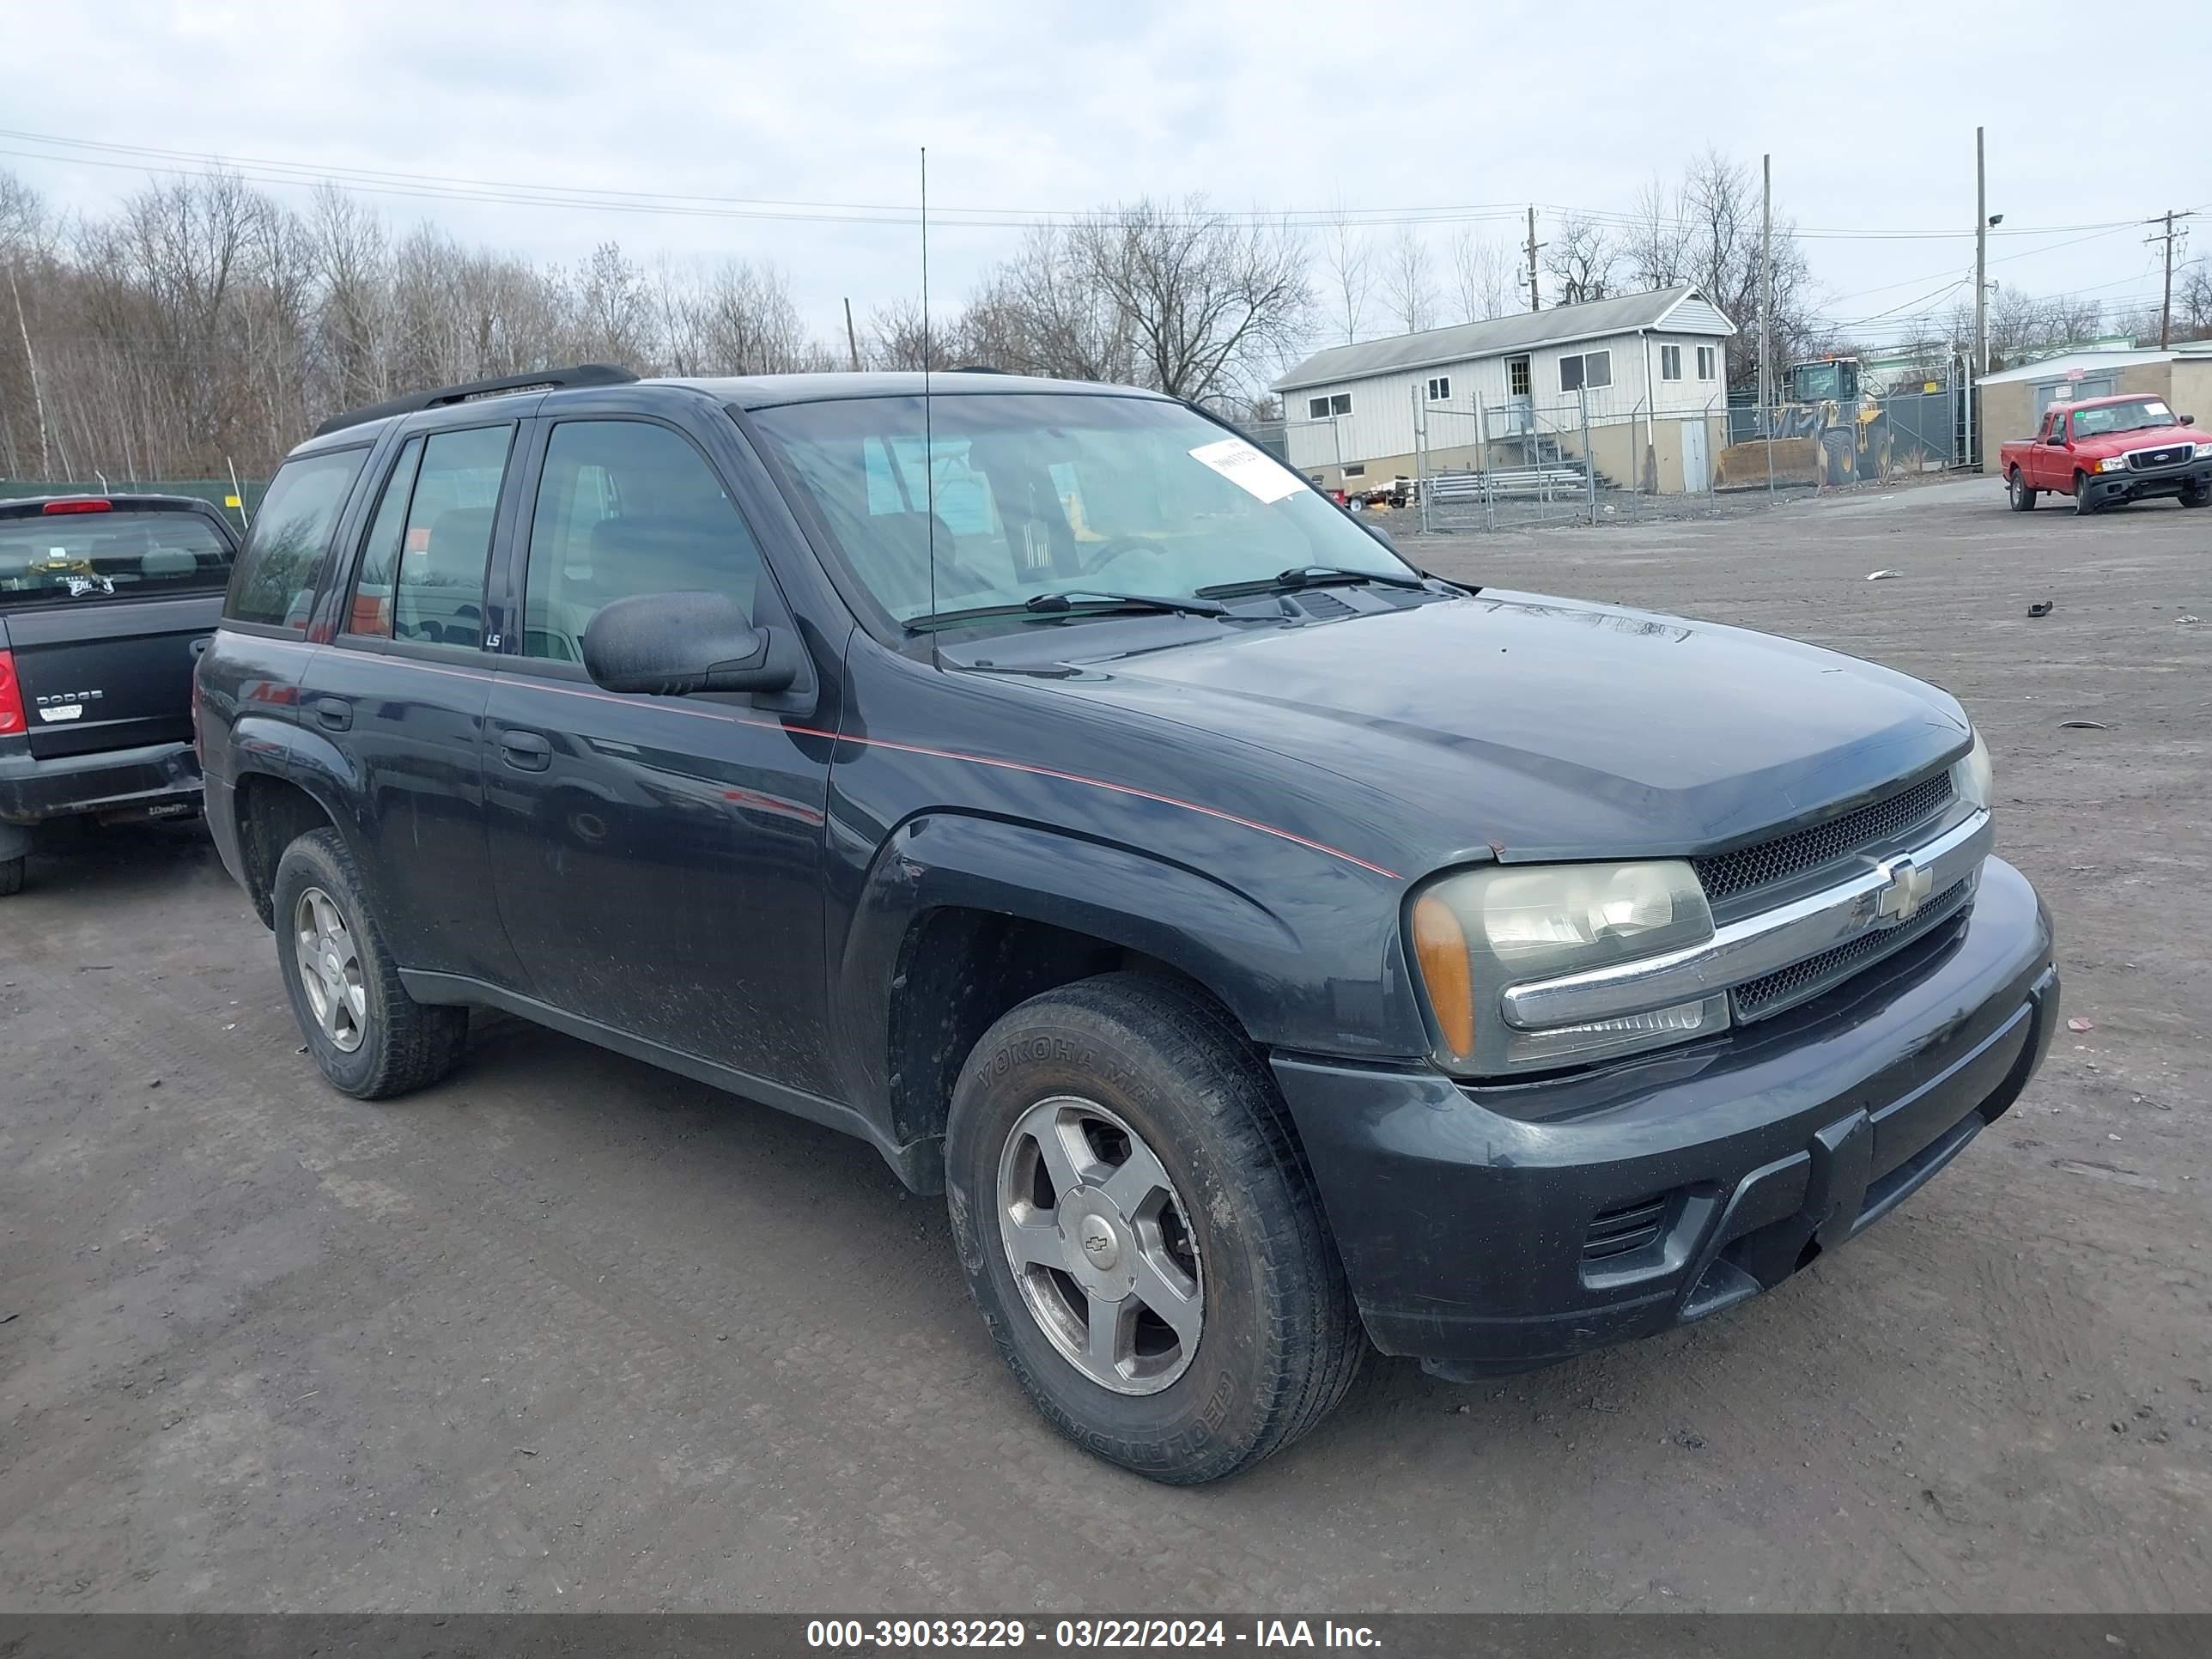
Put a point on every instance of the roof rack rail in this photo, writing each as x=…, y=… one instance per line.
x=548, y=380
x=982, y=368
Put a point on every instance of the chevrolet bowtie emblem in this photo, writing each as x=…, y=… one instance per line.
x=1904, y=889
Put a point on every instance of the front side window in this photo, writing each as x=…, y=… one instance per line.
x=1085, y=493
x=626, y=507
x=275, y=582
x=1670, y=363
x=438, y=589
x=76, y=556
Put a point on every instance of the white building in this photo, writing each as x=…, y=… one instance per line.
x=1644, y=374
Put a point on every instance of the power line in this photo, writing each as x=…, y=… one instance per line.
x=450, y=187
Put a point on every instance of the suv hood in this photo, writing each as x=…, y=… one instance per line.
x=1521, y=727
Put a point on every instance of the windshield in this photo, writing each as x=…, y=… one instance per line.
x=1817, y=381
x=96, y=555
x=2137, y=415
x=1046, y=493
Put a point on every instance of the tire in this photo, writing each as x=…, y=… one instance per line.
x=2016, y=490
x=1130, y=1064
x=2189, y=498
x=2081, y=507
x=369, y=1038
x=11, y=876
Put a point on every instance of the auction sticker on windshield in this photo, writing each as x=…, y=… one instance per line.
x=1253, y=470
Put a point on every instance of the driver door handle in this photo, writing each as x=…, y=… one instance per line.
x=333, y=713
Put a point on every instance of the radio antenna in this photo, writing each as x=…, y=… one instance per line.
x=928, y=448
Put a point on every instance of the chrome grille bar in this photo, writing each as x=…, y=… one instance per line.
x=1760, y=945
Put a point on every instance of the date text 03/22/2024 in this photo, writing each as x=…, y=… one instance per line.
x=1085, y=1633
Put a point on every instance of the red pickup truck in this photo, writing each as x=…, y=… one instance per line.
x=2103, y=450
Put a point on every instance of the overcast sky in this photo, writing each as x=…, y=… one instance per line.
x=1869, y=110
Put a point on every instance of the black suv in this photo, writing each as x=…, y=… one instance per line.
x=104, y=600
x=1270, y=950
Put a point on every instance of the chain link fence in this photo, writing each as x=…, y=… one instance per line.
x=1583, y=460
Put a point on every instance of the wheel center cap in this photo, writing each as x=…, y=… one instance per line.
x=1099, y=1245
x=331, y=965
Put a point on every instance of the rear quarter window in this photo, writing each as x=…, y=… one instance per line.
x=275, y=582
x=82, y=558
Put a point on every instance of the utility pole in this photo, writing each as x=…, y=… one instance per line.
x=1981, y=261
x=1765, y=280
x=2165, y=302
x=1534, y=304
x=852, y=340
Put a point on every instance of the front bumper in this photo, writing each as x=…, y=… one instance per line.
x=114, y=780
x=2193, y=479
x=1482, y=1228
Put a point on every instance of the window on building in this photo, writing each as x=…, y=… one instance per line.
x=1704, y=362
x=1587, y=372
x=438, y=590
x=625, y=508
x=1320, y=409
x=1516, y=377
x=1357, y=469
x=1439, y=388
x=1670, y=363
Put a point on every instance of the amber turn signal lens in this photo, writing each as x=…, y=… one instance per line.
x=1440, y=947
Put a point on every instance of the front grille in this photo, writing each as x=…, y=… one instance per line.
x=2170, y=455
x=1725, y=875
x=1618, y=1231
x=1800, y=981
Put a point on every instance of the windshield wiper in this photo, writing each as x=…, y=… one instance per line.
x=1313, y=575
x=1073, y=602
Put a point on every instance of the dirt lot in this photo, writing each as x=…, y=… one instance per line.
x=569, y=1333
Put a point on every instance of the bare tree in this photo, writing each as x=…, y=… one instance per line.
x=1407, y=281
x=1210, y=302
x=1657, y=247
x=1348, y=268
x=1482, y=277
x=1580, y=260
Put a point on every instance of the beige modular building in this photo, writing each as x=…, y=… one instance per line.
x=2012, y=401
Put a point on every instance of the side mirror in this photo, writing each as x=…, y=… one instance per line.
x=669, y=645
x=2188, y=420
x=1376, y=531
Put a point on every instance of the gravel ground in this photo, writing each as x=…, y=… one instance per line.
x=567, y=1331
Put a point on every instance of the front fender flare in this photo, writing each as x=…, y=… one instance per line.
x=1315, y=973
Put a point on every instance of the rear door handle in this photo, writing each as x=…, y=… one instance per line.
x=335, y=713
x=526, y=751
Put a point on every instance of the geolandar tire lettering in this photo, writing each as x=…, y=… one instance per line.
x=1140, y=1232
x=368, y=1038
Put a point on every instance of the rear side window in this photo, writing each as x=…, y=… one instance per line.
x=438, y=589
x=370, y=613
x=625, y=508
x=275, y=582
x=85, y=557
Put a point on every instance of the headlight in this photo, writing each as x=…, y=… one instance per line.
x=1974, y=778
x=2202, y=452
x=1480, y=931
x=2114, y=463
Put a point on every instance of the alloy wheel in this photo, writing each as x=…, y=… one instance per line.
x=1101, y=1244
x=330, y=969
